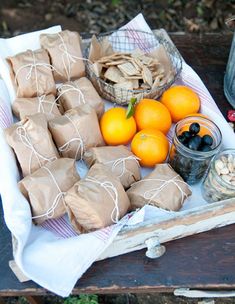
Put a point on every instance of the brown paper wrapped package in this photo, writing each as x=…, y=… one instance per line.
x=76, y=131
x=32, y=74
x=23, y=107
x=119, y=160
x=64, y=49
x=32, y=143
x=78, y=92
x=163, y=188
x=45, y=188
x=97, y=201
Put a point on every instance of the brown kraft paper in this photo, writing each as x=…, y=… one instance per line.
x=78, y=92
x=23, y=107
x=97, y=201
x=122, y=163
x=162, y=188
x=32, y=73
x=32, y=143
x=76, y=131
x=46, y=187
x=64, y=49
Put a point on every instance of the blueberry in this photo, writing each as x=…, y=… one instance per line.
x=181, y=138
x=195, y=142
x=205, y=148
x=187, y=134
x=207, y=140
x=194, y=128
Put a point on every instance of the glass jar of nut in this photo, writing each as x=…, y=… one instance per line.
x=219, y=183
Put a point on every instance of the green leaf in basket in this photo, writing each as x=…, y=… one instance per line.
x=131, y=107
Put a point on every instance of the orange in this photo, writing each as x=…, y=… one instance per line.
x=116, y=128
x=181, y=101
x=150, y=146
x=150, y=113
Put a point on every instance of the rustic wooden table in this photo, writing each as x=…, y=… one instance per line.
x=203, y=261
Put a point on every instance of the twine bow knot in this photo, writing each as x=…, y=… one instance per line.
x=112, y=191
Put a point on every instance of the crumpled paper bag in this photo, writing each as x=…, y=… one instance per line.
x=31, y=142
x=78, y=92
x=23, y=107
x=97, y=201
x=46, y=187
x=31, y=73
x=122, y=163
x=76, y=131
x=163, y=188
x=64, y=49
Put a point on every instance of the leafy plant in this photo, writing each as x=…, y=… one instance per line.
x=115, y=2
x=82, y=299
x=131, y=109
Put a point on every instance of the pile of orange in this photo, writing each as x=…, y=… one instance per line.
x=152, y=119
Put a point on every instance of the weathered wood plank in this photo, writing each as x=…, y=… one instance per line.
x=184, y=224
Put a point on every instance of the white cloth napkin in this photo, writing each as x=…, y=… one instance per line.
x=53, y=255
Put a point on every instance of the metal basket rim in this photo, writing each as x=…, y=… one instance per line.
x=159, y=38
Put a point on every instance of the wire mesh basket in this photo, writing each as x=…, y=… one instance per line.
x=126, y=41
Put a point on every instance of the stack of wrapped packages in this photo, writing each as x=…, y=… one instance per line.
x=59, y=111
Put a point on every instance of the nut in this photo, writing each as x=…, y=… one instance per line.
x=225, y=170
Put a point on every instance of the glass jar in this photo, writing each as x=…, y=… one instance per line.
x=216, y=185
x=189, y=164
x=229, y=78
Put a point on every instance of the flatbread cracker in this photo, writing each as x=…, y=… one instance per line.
x=128, y=68
x=147, y=76
x=113, y=74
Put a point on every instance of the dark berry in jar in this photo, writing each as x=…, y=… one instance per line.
x=187, y=135
x=205, y=148
x=194, y=143
x=182, y=139
x=207, y=140
x=194, y=128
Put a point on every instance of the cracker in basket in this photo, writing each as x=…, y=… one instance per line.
x=97, y=68
x=138, y=63
x=126, y=85
x=159, y=81
x=114, y=74
x=137, y=77
x=135, y=83
x=137, y=53
x=115, y=62
x=147, y=76
x=145, y=86
x=128, y=69
x=146, y=60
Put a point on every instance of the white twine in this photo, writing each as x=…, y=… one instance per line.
x=151, y=194
x=71, y=88
x=112, y=191
x=51, y=211
x=42, y=100
x=33, y=66
x=65, y=147
x=121, y=161
x=25, y=139
x=66, y=56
